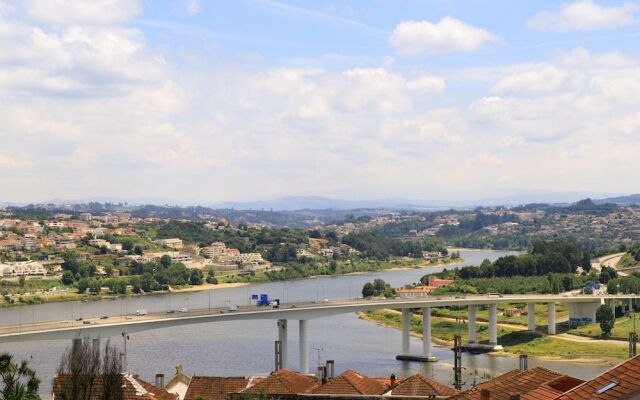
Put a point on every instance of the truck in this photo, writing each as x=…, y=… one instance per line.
x=275, y=303
x=263, y=301
x=142, y=311
x=233, y=307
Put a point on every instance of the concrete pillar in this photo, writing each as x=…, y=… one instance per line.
x=630, y=305
x=304, y=347
x=552, y=318
x=493, y=324
x=282, y=337
x=472, y=323
x=531, y=317
x=426, y=332
x=406, y=326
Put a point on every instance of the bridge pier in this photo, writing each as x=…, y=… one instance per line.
x=304, y=347
x=282, y=337
x=531, y=317
x=426, y=337
x=493, y=324
x=551, y=328
x=472, y=323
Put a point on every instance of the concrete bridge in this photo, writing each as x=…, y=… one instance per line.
x=578, y=306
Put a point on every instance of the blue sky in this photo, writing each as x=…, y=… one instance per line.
x=209, y=101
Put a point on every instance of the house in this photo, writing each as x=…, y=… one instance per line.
x=172, y=243
x=512, y=312
x=178, y=383
x=420, y=386
x=538, y=383
x=132, y=389
x=215, y=388
x=281, y=383
x=620, y=382
x=352, y=383
x=214, y=250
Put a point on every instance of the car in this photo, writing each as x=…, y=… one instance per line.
x=104, y=317
x=171, y=311
x=183, y=309
x=79, y=319
x=86, y=322
x=494, y=295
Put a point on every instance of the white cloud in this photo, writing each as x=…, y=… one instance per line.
x=447, y=35
x=192, y=7
x=546, y=79
x=93, y=12
x=584, y=15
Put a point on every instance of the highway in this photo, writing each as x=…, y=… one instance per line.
x=300, y=311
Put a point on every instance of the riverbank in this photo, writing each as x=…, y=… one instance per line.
x=514, y=338
x=70, y=294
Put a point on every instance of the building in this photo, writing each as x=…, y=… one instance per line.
x=215, y=388
x=178, y=383
x=132, y=389
x=425, y=290
x=353, y=384
x=172, y=243
x=214, y=250
x=22, y=268
x=620, y=382
x=535, y=384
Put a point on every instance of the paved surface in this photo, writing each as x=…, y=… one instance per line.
x=115, y=325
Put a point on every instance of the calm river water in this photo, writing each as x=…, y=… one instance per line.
x=246, y=347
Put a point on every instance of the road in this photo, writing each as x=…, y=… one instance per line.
x=299, y=311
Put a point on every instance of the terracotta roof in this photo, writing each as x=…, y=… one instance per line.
x=624, y=380
x=543, y=392
x=513, y=382
x=215, y=388
x=351, y=382
x=132, y=389
x=418, y=385
x=284, y=382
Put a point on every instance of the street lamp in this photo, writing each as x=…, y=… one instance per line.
x=125, y=337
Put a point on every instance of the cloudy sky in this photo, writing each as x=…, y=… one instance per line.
x=210, y=101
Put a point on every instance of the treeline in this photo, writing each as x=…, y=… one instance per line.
x=552, y=283
x=480, y=221
x=381, y=248
x=557, y=256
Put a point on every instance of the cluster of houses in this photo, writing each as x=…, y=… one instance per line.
x=621, y=382
x=424, y=290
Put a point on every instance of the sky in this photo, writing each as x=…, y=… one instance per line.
x=212, y=101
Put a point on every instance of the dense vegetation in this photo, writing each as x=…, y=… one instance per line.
x=556, y=256
x=379, y=247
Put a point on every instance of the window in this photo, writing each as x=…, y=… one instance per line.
x=607, y=387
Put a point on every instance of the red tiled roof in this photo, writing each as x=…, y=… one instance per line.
x=543, y=392
x=284, y=382
x=624, y=378
x=514, y=382
x=351, y=382
x=215, y=388
x=418, y=385
x=132, y=389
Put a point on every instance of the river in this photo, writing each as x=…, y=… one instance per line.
x=246, y=347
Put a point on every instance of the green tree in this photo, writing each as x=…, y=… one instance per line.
x=379, y=285
x=67, y=278
x=127, y=245
x=367, y=290
x=19, y=381
x=138, y=250
x=606, y=318
x=22, y=280
x=165, y=261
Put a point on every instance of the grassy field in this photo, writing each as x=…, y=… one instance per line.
x=621, y=329
x=483, y=314
x=513, y=341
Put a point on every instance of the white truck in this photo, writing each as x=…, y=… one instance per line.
x=141, y=312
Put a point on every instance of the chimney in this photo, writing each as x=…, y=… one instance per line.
x=330, y=371
x=524, y=362
x=322, y=375
x=393, y=380
x=160, y=380
x=514, y=396
x=485, y=394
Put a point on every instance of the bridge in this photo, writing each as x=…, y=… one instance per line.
x=578, y=306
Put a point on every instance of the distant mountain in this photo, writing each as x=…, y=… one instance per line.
x=632, y=199
x=292, y=203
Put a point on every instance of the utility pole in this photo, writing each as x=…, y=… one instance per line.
x=125, y=337
x=457, y=362
x=633, y=336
